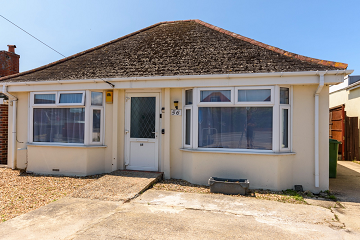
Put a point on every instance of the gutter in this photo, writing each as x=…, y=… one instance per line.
x=317, y=140
x=187, y=77
x=13, y=145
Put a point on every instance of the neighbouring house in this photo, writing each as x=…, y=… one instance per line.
x=9, y=64
x=344, y=101
x=185, y=98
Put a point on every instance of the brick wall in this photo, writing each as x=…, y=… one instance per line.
x=9, y=63
x=3, y=133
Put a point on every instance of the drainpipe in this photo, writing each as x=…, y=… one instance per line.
x=317, y=154
x=13, y=145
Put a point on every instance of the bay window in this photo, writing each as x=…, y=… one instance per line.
x=63, y=117
x=238, y=118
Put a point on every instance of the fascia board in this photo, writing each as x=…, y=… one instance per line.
x=253, y=79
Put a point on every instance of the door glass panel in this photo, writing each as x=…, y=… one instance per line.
x=142, y=123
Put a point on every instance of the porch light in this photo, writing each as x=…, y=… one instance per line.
x=176, y=104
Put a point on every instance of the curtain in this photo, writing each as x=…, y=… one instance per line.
x=235, y=127
x=64, y=125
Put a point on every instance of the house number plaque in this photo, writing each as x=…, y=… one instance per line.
x=176, y=112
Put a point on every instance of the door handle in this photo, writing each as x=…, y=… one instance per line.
x=126, y=131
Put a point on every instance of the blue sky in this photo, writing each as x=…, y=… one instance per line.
x=328, y=30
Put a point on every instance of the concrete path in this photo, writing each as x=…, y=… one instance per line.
x=173, y=215
x=346, y=187
x=119, y=185
x=85, y=207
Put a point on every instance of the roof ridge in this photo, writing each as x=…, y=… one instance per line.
x=221, y=30
x=272, y=48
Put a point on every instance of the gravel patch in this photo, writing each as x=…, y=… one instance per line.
x=22, y=192
x=288, y=196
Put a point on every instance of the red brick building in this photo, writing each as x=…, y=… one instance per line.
x=9, y=64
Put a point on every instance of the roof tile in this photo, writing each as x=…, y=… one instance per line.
x=188, y=47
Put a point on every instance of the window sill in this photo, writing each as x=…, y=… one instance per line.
x=231, y=151
x=65, y=145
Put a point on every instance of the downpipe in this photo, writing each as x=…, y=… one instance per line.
x=13, y=145
x=317, y=140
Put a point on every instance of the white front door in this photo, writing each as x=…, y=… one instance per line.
x=141, y=131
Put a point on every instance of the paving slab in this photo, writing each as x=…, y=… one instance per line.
x=57, y=220
x=346, y=187
x=119, y=185
x=173, y=215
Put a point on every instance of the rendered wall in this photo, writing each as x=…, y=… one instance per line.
x=275, y=172
x=81, y=161
x=72, y=161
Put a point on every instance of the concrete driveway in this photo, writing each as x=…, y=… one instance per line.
x=99, y=212
x=346, y=187
x=173, y=215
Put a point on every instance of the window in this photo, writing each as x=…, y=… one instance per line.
x=44, y=98
x=62, y=117
x=238, y=118
x=257, y=95
x=235, y=127
x=96, y=117
x=215, y=96
x=284, y=119
x=284, y=95
x=188, y=117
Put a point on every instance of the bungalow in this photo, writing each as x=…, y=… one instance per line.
x=185, y=98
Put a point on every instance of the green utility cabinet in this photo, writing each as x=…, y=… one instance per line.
x=333, y=156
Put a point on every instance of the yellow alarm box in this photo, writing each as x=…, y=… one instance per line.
x=109, y=96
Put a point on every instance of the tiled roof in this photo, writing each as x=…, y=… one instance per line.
x=189, y=47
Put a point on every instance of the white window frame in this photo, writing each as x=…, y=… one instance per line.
x=32, y=99
x=276, y=118
x=290, y=111
x=86, y=104
x=187, y=107
x=71, y=104
x=199, y=103
x=251, y=104
x=282, y=107
x=101, y=125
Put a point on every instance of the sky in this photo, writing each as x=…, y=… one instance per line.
x=324, y=29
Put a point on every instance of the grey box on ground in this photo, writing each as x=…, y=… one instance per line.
x=229, y=186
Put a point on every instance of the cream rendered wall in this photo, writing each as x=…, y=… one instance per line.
x=73, y=161
x=277, y=172
x=338, y=98
x=108, y=136
x=176, y=163
x=22, y=129
x=121, y=130
x=303, y=137
x=69, y=160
